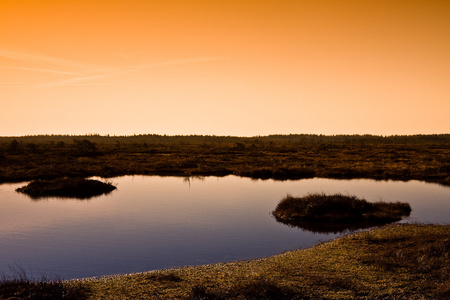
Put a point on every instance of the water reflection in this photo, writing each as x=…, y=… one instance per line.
x=188, y=179
x=160, y=222
x=319, y=227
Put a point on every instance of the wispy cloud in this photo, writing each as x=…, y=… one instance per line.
x=85, y=80
x=77, y=81
x=42, y=58
x=41, y=70
x=81, y=73
x=183, y=61
x=52, y=65
x=9, y=82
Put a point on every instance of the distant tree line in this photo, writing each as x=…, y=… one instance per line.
x=201, y=139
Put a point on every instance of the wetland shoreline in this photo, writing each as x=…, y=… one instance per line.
x=357, y=266
x=408, y=261
x=392, y=262
x=279, y=157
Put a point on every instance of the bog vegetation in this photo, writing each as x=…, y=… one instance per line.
x=79, y=188
x=24, y=288
x=394, y=262
x=421, y=157
x=337, y=212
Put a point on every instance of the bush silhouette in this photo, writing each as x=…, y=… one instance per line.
x=85, y=147
x=14, y=147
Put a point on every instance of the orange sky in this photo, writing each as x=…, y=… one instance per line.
x=224, y=67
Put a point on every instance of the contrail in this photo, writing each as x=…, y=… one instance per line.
x=86, y=73
x=43, y=70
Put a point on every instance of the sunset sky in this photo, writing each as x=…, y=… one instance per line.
x=210, y=67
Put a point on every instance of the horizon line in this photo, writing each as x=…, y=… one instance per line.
x=228, y=136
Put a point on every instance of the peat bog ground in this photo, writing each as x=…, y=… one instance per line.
x=421, y=157
x=393, y=262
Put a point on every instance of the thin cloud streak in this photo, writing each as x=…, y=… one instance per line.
x=88, y=72
x=11, y=84
x=42, y=58
x=42, y=70
x=75, y=81
x=79, y=80
x=183, y=61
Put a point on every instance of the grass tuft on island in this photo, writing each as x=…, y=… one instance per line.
x=337, y=212
x=79, y=188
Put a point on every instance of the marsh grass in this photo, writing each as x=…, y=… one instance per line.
x=337, y=212
x=393, y=262
x=254, y=290
x=169, y=277
x=278, y=157
x=17, y=285
x=79, y=188
x=427, y=254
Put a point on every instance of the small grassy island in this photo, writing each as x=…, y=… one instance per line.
x=79, y=188
x=334, y=213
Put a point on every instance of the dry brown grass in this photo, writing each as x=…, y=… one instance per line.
x=79, y=188
x=394, y=262
x=337, y=212
x=279, y=157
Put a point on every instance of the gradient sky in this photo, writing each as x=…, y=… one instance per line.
x=227, y=67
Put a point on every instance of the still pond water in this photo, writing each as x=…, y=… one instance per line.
x=153, y=222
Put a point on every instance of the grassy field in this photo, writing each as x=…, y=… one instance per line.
x=393, y=262
x=421, y=157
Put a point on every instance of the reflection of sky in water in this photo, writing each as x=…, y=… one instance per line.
x=159, y=222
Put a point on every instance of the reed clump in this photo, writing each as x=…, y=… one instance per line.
x=24, y=289
x=18, y=285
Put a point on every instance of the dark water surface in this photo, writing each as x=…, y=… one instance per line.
x=155, y=222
